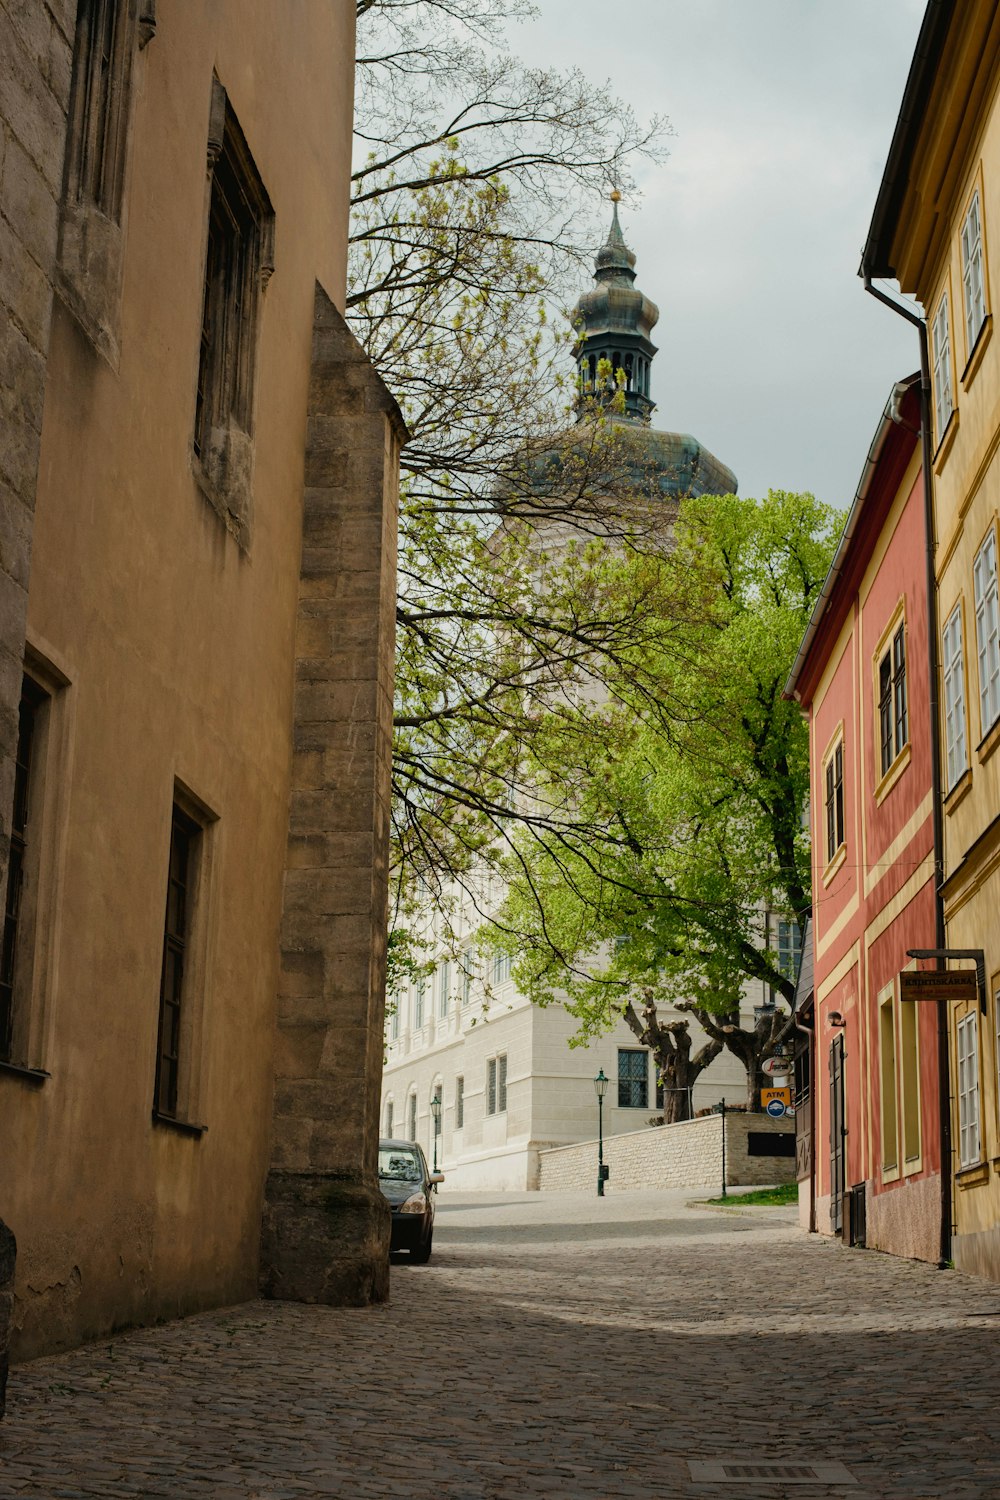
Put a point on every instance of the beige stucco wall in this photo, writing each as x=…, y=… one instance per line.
x=177, y=650
x=671, y=1156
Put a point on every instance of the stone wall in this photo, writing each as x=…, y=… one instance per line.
x=35, y=63
x=672, y=1156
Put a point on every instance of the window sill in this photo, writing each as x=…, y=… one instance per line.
x=974, y=1176
x=836, y=863
x=958, y=793
x=893, y=774
x=34, y=1077
x=183, y=1127
x=913, y=1165
x=945, y=445
x=988, y=743
x=890, y=1174
x=978, y=350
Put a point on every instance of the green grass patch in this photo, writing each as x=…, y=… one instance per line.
x=776, y=1197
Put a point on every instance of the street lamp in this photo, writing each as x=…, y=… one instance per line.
x=436, y=1112
x=600, y=1089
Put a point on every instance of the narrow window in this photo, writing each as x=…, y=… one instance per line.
x=502, y=1083
x=789, y=948
x=14, y=971
x=972, y=273
x=501, y=968
x=633, y=1079
x=108, y=35
x=467, y=980
x=185, y=836
x=395, y=1003
x=835, y=801
x=418, y=1006
x=892, y=702
x=444, y=987
x=984, y=574
x=968, y=1091
x=388, y=1120
x=413, y=1117
x=459, y=1102
x=909, y=1070
x=941, y=338
x=238, y=261
x=491, y=1086
x=659, y=1089
x=887, y=1059
x=957, y=756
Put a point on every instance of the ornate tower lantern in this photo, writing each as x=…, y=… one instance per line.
x=614, y=322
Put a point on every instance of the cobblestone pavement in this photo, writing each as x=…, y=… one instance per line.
x=558, y=1346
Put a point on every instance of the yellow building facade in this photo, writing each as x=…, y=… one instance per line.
x=937, y=231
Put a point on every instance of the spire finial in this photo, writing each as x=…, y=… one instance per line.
x=616, y=196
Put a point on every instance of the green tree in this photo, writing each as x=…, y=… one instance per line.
x=474, y=194
x=702, y=795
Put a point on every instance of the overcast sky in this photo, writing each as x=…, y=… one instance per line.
x=748, y=238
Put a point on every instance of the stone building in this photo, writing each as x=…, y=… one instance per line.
x=197, y=558
x=509, y=1082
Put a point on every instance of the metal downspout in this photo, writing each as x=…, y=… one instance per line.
x=937, y=811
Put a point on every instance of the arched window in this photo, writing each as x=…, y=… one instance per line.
x=593, y=370
x=388, y=1120
x=628, y=372
x=412, y=1116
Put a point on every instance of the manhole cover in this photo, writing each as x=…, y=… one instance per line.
x=738, y=1471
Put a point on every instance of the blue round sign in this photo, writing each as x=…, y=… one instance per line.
x=775, y=1108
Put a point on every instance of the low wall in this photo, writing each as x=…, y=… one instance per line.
x=670, y=1156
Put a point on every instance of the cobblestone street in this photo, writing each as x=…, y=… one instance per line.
x=556, y=1345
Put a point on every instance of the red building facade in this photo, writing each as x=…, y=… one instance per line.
x=862, y=678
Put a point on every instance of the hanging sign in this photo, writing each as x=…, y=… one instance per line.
x=944, y=984
x=772, y=1065
x=775, y=1102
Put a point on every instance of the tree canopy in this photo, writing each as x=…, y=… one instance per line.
x=702, y=795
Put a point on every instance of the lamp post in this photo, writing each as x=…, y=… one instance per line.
x=600, y=1088
x=436, y=1112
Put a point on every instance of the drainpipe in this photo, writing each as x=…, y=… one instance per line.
x=937, y=810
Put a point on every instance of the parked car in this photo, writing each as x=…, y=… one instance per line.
x=406, y=1183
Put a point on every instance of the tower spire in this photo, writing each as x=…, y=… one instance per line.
x=614, y=322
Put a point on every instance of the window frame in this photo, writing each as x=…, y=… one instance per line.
x=496, y=1085
x=834, y=816
x=969, y=1127
x=953, y=669
x=90, y=255
x=989, y=712
x=631, y=1081
x=197, y=969
x=238, y=262
x=444, y=988
x=942, y=372
x=973, y=329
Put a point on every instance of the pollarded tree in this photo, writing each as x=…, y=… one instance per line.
x=703, y=796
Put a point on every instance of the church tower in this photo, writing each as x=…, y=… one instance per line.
x=614, y=322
